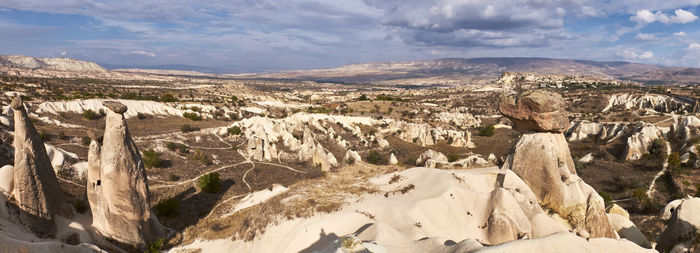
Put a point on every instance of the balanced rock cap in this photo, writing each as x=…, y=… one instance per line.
x=536, y=110
x=115, y=106
x=17, y=103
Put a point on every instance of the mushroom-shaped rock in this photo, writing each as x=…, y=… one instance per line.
x=117, y=186
x=36, y=190
x=537, y=110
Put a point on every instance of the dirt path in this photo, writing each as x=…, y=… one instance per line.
x=663, y=170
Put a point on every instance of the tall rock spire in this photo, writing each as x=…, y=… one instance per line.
x=36, y=190
x=117, y=186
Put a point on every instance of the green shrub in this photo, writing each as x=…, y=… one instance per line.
x=85, y=140
x=234, y=130
x=141, y=116
x=209, y=183
x=62, y=135
x=363, y=97
x=452, y=157
x=90, y=114
x=155, y=246
x=45, y=136
x=186, y=128
x=151, y=159
x=167, y=207
x=606, y=197
x=374, y=157
x=674, y=160
x=656, y=147
x=168, y=98
x=171, y=146
x=192, y=116
x=487, y=131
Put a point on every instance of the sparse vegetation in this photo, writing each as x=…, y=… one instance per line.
x=186, y=128
x=168, y=98
x=452, y=157
x=209, y=183
x=85, y=140
x=487, y=131
x=374, y=157
x=151, y=159
x=155, y=246
x=234, y=130
x=167, y=207
x=90, y=114
x=192, y=116
x=656, y=147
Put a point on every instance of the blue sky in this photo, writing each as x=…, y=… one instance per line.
x=257, y=35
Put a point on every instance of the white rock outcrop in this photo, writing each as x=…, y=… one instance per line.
x=629, y=101
x=638, y=143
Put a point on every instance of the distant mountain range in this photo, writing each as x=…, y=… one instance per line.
x=447, y=71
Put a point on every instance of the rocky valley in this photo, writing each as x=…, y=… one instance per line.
x=525, y=157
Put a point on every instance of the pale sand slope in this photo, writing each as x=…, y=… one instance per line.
x=445, y=206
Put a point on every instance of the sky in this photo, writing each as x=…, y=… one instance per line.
x=266, y=35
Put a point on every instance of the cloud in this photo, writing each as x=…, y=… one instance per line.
x=632, y=55
x=63, y=53
x=680, y=34
x=139, y=52
x=647, y=17
x=645, y=37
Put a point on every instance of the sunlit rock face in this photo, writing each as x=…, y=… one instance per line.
x=117, y=189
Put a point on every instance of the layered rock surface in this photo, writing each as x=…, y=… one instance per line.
x=536, y=110
x=35, y=189
x=117, y=185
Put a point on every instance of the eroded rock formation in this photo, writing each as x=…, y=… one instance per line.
x=36, y=191
x=542, y=159
x=117, y=184
x=683, y=228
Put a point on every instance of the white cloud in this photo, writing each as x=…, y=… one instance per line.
x=694, y=46
x=63, y=53
x=646, y=55
x=645, y=37
x=680, y=34
x=632, y=55
x=139, y=52
x=647, y=17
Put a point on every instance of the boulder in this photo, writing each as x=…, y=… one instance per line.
x=393, y=160
x=683, y=227
x=536, y=110
x=352, y=157
x=544, y=162
x=639, y=142
x=627, y=230
x=36, y=190
x=7, y=179
x=117, y=185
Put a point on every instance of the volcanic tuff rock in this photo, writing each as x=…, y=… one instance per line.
x=544, y=162
x=683, y=227
x=629, y=101
x=36, y=190
x=537, y=110
x=639, y=142
x=117, y=185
